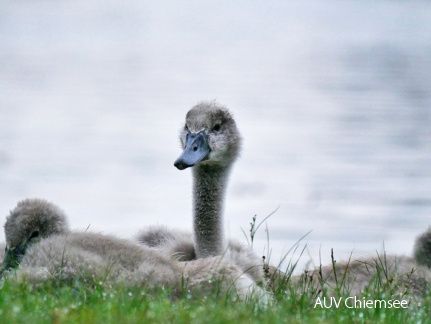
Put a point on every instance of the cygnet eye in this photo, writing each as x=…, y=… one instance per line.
x=33, y=235
x=216, y=127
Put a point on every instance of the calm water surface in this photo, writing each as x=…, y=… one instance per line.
x=333, y=100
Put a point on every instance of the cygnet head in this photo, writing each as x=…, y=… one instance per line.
x=29, y=222
x=422, y=248
x=209, y=137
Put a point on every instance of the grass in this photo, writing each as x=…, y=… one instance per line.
x=294, y=302
x=67, y=303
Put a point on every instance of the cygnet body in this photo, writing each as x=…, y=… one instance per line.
x=41, y=246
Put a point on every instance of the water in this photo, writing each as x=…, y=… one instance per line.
x=333, y=100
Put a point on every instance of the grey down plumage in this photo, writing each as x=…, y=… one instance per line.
x=211, y=143
x=48, y=249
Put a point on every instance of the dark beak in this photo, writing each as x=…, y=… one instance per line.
x=196, y=150
x=13, y=257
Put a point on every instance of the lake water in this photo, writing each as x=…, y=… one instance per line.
x=333, y=100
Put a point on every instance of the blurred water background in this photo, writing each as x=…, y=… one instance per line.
x=333, y=99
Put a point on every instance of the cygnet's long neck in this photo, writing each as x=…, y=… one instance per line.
x=209, y=189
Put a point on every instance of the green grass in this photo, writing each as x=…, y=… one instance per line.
x=53, y=302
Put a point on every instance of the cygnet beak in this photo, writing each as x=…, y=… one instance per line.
x=196, y=150
x=13, y=257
